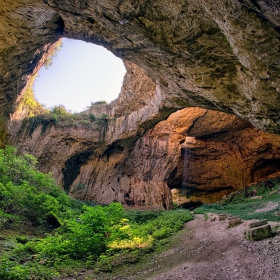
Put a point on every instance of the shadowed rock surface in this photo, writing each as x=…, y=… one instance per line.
x=200, y=166
x=217, y=56
x=221, y=56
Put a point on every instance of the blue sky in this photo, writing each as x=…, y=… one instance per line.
x=81, y=73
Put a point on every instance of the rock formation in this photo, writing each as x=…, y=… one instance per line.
x=200, y=154
x=217, y=56
x=221, y=56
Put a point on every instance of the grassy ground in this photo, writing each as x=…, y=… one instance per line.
x=259, y=201
x=150, y=231
x=47, y=235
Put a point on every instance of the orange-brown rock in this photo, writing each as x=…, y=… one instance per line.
x=220, y=153
x=200, y=166
x=87, y=157
x=217, y=55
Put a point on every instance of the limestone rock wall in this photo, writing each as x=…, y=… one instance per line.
x=217, y=55
x=138, y=91
x=28, y=31
x=220, y=153
x=221, y=56
x=200, y=154
x=196, y=155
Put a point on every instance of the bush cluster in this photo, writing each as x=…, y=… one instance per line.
x=79, y=235
x=27, y=195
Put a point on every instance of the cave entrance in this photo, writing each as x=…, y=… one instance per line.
x=81, y=74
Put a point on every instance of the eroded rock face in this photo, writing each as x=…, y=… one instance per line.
x=200, y=166
x=220, y=153
x=92, y=160
x=222, y=56
x=28, y=29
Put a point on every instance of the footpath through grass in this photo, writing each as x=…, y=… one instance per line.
x=258, y=201
x=46, y=235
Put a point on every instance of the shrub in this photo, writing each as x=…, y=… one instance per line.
x=141, y=217
x=98, y=103
x=92, y=117
x=26, y=192
x=12, y=271
x=59, y=110
x=84, y=234
x=104, y=116
x=56, y=48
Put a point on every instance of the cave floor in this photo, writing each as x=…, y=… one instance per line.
x=206, y=250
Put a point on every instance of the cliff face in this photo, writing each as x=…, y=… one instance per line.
x=219, y=56
x=220, y=153
x=196, y=156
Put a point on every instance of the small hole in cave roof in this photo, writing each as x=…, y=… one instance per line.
x=81, y=73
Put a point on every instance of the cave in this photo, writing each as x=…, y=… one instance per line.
x=265, y=167
x=197, y=118
x=219, y=61
x=136, y=33
x=79, y=75
x=72, y=168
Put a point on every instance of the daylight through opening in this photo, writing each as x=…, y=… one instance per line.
x=81, y=73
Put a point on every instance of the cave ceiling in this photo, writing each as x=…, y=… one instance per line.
x=216, y=55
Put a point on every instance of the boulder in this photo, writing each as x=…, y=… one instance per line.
x=258, y=233
x=258, y=230
x=234, y=221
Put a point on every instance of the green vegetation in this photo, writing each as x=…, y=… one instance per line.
x=37, y=115
x=27, y=195
x=29, y=102
x=101, y=102
x=57, y=47
x=77, y=236
x=59, y=116
x=92, y=117
x=247, y=202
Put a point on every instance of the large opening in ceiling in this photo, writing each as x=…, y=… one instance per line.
x=81, y=73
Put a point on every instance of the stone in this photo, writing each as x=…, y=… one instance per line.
x=222, y=217
x=213, y=219
x=258, y=233
x=221, y=57
x=234, y=221
x=141, y=173
x=258, y=223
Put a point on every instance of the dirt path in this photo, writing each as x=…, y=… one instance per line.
x=206, y=250
x=211, y=251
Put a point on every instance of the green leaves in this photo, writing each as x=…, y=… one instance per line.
x=26, y=192
x=86, y=235
x=11, y=271
x=83, y=235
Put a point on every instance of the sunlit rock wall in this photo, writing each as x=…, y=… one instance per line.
x=217, y=55
x=200, y=154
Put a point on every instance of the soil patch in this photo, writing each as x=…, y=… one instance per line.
x=223, y=253
x=268, y=207
x=206, y=250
